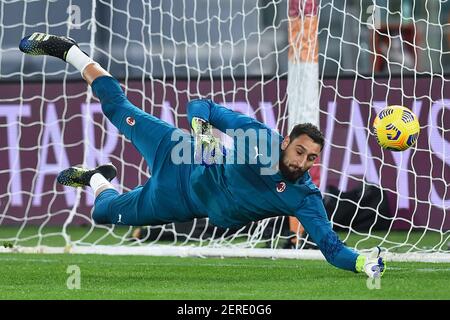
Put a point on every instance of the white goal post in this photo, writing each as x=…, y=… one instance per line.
x=332, y=63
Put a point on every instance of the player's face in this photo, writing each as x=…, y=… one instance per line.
x=298, y=156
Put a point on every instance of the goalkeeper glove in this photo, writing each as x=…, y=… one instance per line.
x=207, y=147
x=373, y=265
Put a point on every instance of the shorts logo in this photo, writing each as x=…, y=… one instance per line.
x=130, y=121
x=281, y=186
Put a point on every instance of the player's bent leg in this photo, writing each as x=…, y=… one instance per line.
x=145, y=131
x=150, y=135
x=94, y=71
x=81, y=177
x=99, y=178
x=110, y=207
x=46, y=44
x=101, y=215
x=63, y=48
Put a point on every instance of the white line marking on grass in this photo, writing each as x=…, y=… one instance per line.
x=202, y=263
x=433, y=269
x=420, y=269
x=163, y=264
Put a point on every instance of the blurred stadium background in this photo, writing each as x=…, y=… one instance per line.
x=176, y=34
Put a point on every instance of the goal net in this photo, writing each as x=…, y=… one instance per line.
x=332, y=63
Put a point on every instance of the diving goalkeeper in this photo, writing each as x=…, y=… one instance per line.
x=230, y=193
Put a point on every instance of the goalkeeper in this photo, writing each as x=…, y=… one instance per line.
x=230, y=194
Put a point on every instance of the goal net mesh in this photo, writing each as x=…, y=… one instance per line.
x=333, y=63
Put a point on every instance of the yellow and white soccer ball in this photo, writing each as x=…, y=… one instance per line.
x=396, y=128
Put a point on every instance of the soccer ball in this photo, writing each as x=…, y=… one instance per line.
x=396, y=128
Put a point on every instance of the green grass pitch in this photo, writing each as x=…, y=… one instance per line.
x=44, y=276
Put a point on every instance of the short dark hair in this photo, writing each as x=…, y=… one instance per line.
x=309, y=129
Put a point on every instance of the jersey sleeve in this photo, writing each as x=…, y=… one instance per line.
x=254, y=142
x=313, y=217
x=219, y=116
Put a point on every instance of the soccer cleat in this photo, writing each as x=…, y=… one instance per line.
x=46, y=44
x=80, y=177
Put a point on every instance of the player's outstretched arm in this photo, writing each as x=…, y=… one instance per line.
x=220, y=117
x=204, y=114
x=373, y=264
x=313, y=216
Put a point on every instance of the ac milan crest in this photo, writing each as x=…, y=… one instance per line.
x=281, y=186
x=130, y=121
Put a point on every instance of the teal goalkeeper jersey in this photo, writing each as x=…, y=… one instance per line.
x=236, y=192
